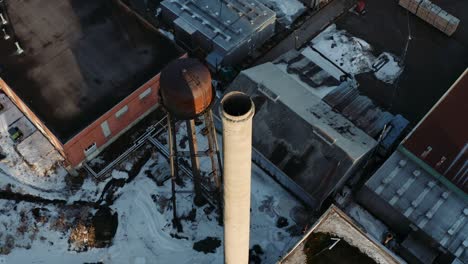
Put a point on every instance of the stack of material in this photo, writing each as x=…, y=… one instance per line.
x=432, y=14
x=411, y=5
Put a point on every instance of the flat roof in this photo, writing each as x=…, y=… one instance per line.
x=335, y=238
x=344, y=134
x=441, y=138
x=226, y=23
x=322, y=78
x=424, y=201
x=81, y=58
x=432, y=60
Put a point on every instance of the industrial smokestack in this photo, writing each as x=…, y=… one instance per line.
x=237, y=110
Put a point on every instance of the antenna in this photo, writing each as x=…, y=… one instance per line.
x=19, y=50
x=3, y=20
x=5, y=35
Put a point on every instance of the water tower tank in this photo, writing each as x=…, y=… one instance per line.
x=186, y=89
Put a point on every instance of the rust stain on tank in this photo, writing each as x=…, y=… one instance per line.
x=186, y=88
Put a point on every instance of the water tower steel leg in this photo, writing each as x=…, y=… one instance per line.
x=193, y=146
x=211, y=149
x=217, y=172
x=214, y=133
x=174, y=169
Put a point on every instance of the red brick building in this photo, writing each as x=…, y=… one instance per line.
x=89, y=71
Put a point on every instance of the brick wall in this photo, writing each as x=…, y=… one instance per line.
x=137, y=104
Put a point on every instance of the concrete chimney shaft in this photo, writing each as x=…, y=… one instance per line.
x=237, y=111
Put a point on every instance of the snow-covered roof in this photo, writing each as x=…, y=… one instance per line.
x=287, y=11
x=343, y=230
x=331, y=125
x=323, y=77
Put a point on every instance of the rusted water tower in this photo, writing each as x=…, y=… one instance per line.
x=187, y=95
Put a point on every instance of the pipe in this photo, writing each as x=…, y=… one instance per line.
x=237, y=110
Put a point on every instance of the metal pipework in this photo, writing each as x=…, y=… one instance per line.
x=237, y=111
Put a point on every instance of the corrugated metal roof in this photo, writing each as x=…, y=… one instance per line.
x=424, y=201
x=226, y=23
x=359, y=109
x=323, y=79
x=441, y=138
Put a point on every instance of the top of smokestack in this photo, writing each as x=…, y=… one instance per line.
x=237, y=106
x=186, y=88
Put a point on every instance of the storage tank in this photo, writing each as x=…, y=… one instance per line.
x=186, y=89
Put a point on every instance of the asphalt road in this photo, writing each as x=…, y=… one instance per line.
x=313, y=26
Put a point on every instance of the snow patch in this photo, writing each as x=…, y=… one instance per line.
x=166, y=33
x=116, y=174
x=354, y=55
x=287, y=11
x=390, y=71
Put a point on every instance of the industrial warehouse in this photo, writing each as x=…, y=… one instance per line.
x=215, y=131
x=94, y=97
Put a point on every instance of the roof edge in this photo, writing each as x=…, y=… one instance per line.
x=333, y=209
x=452, y=187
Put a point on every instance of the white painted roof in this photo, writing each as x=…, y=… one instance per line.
x=329, y=125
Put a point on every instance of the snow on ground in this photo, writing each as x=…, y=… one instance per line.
x=91, y=189
x=287, y=11
x=145, y=231
x=31, y=166
x=16, y=170
x=32, y=233
x=354, y=55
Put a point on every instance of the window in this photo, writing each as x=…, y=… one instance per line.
x=121, y=112
x=105, y=129
x=90, y=149
x=145, y=93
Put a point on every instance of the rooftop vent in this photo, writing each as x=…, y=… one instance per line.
x=3, y=20
x=19, y=50
x=5, y=35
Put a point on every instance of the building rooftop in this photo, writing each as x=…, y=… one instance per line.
x=432, y=61
x=322, y=78
x=441, y=138
x=32, y=153
x=80, y=59
x=226, y=23
x=325, y=147
x=335, y=238
x=424, y=201
x=312, y=109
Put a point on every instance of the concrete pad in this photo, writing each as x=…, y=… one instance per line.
x=38, y=152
